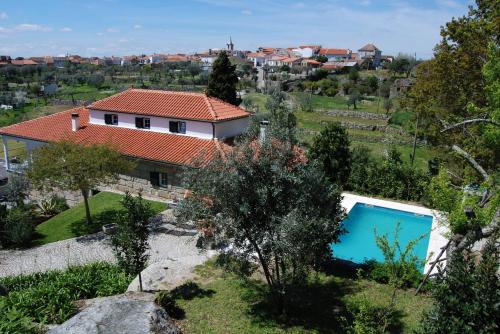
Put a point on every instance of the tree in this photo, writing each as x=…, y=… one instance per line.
x=388, y=105
x=321, y=58
x=354, y=74
x=401, y=263
x=130, y=241
x=282, y=121
x=270, y=205
x=353, y=98
x=400, y=65
x=223, y=79
x=467, y=294
x=69, y=166
x=331, y=149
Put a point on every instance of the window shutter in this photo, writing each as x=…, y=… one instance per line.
x=182, y=127
x=139, y=122
x=108, y=119
x=154, y=178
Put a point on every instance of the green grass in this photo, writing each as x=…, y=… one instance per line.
x=71, y=223
x=422, y=154
x=339, y=103
x=258, y=99
x=316, y=120
x=223, y=303
x=84, y=92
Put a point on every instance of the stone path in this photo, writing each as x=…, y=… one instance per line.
x=172, y=247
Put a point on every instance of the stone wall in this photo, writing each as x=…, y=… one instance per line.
x=139, y=181
x=136, y=181
x=357, y=114
x=72, y=197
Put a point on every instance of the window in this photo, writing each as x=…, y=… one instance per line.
x=177, y=127
x=142, y=123
x=111, y=119
x=163, y=180
x=158, y=179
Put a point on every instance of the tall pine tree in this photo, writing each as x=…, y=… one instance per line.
x=223, y=80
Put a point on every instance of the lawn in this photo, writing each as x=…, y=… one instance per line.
x=339, y=103
x=422, y=154
x=218, y=302
x=71, y=223
x=83, y=92
x=259, y=99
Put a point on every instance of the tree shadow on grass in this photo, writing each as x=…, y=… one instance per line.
x=82, y=227
x=315, y=305
x=187, y=291
x=191, y=290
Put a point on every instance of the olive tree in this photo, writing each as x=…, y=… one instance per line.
x=69, y=166
x=270, y=204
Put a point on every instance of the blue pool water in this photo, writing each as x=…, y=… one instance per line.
x=358, y=244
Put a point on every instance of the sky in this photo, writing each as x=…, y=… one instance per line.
x=124, y=27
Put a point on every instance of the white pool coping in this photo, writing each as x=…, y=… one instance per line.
x=437, y=238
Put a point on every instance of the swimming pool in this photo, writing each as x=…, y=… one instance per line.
x=358, y=244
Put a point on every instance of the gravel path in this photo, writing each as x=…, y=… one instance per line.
x=171, y=246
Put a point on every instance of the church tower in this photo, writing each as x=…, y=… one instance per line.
x=230, y=45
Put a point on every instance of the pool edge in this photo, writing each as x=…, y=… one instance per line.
x=437, y=237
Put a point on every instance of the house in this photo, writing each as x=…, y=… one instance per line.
x=257, y=58
x=371, y=52
x=275, y=61
x=400, y=87
x=162, y=131
x=306, y=51
x=23, y=62
x=336, y=54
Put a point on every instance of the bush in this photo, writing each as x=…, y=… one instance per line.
x=12, y=321
x=236, y=265
x=19, y=227
x=48, y=297
x=368, y=318
x=380, y=272
x=53, y=205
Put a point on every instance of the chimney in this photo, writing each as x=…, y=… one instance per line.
x=263, y=130
x=75, y=121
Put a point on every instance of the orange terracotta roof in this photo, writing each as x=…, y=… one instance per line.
x=24, y=62
x=164, y=147
x=180, y=105
x=333, y=51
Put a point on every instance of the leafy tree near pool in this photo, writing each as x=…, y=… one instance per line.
x=69, y=166
x=266, y=200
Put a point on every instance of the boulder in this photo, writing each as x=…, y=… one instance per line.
x=131, y=313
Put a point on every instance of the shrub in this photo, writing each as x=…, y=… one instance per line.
x=236, y=265
x=380, y=272
x=19, y=227
x=368, y=318
x=53, y=205
x=12, y=321
x=48, y=297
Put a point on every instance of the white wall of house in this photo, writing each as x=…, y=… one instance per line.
x=158, y=124
x=231, y=128
x=303, y=52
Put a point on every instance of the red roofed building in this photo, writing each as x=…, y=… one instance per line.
x=160, y=130
x=336, y=54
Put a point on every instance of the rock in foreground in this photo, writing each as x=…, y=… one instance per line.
x=126, y=314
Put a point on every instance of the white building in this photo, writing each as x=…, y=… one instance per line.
x=160, y=130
